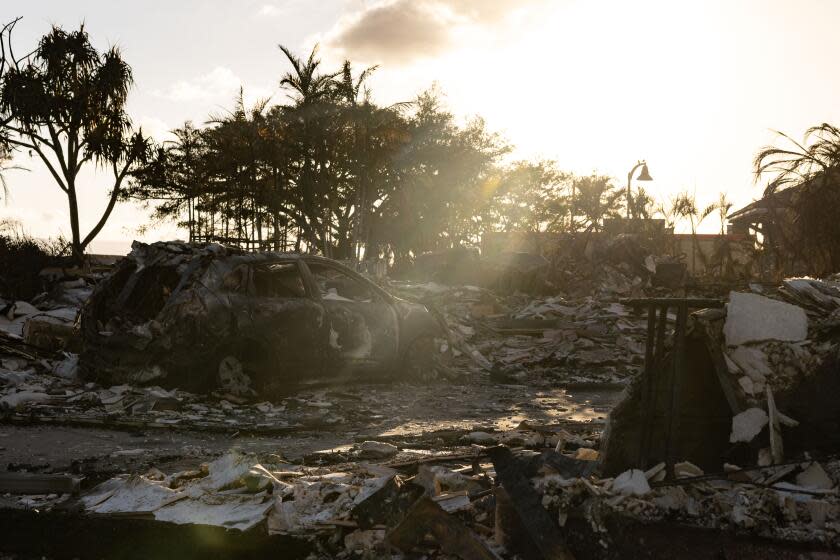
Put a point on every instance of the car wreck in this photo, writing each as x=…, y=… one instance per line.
x=205, y=317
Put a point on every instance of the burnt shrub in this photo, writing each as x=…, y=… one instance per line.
x=22, y=258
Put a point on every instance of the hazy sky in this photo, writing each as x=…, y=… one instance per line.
x=693, y=87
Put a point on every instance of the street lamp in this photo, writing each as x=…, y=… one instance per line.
x=643, y=176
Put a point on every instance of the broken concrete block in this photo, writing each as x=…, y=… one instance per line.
x=632, y=482
x=50, y=332
x=755, y=318
x=818, y=509
x=814, y=476
x=747, y=425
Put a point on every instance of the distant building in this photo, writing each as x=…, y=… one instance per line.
x=797, y=228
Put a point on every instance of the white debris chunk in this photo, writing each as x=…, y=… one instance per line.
x=733, y=368
x=752, y=361
x=631, y=482
x=230, y=511
x=653, y=472
x=746, y=385
x=747, y=425
x=765, y=457
x=452, y=502
x=68, y=368
x=14, y=400
x=364, y=540
x=814, y=476
x=754, y=318
x=226, y=471
x=777, y=448
x=134, y=494
x=377, y=450
x=687, y=469
x=786, y=420
x=480, y=438
x=21, y=308
x=309, y=506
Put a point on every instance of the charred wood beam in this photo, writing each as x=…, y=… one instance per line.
x=540, y=529
x=426, y=517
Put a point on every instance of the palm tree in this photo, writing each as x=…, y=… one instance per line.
x=684, y=206
x=723, y=206
x=307, y=85
x=66, y=104
x=309, y=91
x=594, y=199
x=642, y=204
x=360, y=113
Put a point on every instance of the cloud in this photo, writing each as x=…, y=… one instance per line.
x=269, y=10
x=283, y=8
x=154, y=127
x=400, y=31
x=219, y=85
x=219, y=81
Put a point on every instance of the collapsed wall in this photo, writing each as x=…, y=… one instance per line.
x=761, y=384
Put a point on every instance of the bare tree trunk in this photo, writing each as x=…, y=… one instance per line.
x=78, y=250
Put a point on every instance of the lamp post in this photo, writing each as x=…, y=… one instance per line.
x=643, y=176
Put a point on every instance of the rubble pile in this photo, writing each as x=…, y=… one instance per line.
x=521, y=339
x=485, y=497
x=518, y=477
x=788, y=502
x=777, y=344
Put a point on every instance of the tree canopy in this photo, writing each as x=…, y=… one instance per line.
x=66, y=103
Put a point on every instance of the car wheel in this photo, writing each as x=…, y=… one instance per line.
x=232, y=378
x=420, y=363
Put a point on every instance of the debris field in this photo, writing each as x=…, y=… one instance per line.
x=540, y=418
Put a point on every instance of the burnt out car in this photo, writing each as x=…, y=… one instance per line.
x=202, y=317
